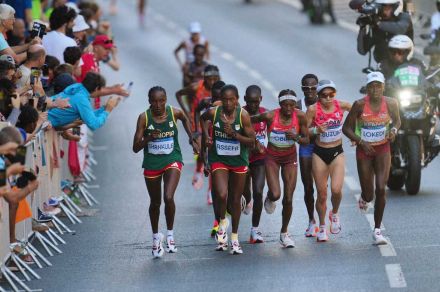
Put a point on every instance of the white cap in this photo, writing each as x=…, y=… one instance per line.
x=375, y=76
x=322, y=84
x=80, y=24
x=73, y=6
x=195, y=27
x=6, y=11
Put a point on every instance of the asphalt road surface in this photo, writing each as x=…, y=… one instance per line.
x=270, y=44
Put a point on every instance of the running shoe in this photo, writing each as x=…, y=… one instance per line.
x=157, y=247
x=222, y=247
x=378, y=238
x=248, y=208
x=222, y=234
x=171, y=245
x=256, y=236
x=322, y=235
x=269, y=206
x=286, y=241
x=364, y=206
x=214, y=228
x=335, y=223
x=235, y=247
x=197, y=180
x=312, y=230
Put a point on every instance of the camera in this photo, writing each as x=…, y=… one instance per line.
x=369, y=8
x=38, y=30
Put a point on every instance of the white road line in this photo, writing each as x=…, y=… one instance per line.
x=387, y=250
x=266, y=84
x=395, y=276
x=351, y=183
x=242, y=66
x=370, y=219
x=254, y=74
x=227, y=56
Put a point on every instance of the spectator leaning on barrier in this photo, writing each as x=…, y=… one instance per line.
x=81, y=109
x=56, y=41
x=9, y=102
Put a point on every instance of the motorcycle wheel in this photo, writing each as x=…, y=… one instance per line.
x=412, y=183
x=395, y=182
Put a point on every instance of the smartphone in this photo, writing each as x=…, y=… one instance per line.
x=129, y=87
x=76, y=131
x=44, y=107
x=2, y=101
x=2, y=172
x=38, y=30
x=35, y=73
x=20, y=155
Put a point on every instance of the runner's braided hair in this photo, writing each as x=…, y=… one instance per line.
x=155, y=89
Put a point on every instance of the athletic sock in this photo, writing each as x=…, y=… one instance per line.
x=156, y=236
x=170, y=233
x=234, y=236
x=254, y=228
x=321, y=227
x=223, y=222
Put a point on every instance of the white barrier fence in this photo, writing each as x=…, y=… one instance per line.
x=47, y=156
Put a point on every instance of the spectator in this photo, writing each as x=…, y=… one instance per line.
x=7, y=70
x=56, y=41
x=36, y=56
x=102, y=47
x=62, y=81
x=72, y=56
x=63, y=68
x=11, y=60
x=7, y=20
x=80, y=30
x=48, y=72
x=17, y=36
x=79, y=95
x=10, y=102
x=23, y=9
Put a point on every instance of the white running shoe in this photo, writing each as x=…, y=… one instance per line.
x=312, y=230
x=171, y=245
x=248, y=208
x=286, y=241
x=222, y=234
x=378, y=238
x=269, y=206
x=335, y=223
x=157, y=247
x=222, y=247
x=322, y=235
x=364, y=206
x=235, y=247
x=256, y=236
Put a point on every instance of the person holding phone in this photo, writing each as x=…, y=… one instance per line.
x=328, y=160
x=285, y=126
x=31, y=68
x=157, y=135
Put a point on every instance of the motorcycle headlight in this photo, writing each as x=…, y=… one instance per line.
x=407, y=98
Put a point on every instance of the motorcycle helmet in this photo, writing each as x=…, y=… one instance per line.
x=402, y=42
x=397, y=5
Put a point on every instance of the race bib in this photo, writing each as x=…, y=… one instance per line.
x=280, y=140
x=227, y=147
x=331, y=135
x=161, y=146
x=374, y=135
x=261, y=137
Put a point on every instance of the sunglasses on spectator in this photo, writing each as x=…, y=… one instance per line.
x=108, y=42
x=308, y=88
x=398, y=52
x=327, y=95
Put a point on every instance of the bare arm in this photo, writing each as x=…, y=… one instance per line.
x=346, y=106
x=176, y=53
x=304, y=130
x=188, y=91
x=139, y=140
x=263, y=117
x=249, y=134
x=350, y=122
x=178, y=114
x=393, y=108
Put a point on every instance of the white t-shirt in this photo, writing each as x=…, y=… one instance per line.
x=435, y=23
x=55, y=43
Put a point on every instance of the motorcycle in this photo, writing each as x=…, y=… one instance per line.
x=416, y=143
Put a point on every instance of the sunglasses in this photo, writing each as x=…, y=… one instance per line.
x=398, y=52
x=327, y=95
x=308, y=88
x=108, y=42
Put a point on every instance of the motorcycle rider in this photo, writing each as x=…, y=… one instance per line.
x=400, y=49
x=383, y=25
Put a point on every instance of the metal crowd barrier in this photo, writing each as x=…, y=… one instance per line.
x=43, y=157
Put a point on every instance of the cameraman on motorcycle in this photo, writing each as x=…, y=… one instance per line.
x=379, y=25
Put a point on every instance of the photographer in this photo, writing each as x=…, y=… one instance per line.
x=378, y=24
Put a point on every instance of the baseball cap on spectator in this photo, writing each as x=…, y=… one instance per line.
x=6, y=11
x=103, y=40
x=80, y=24
x=73, y=6
x=62, y=81
x=7, y=58
x=195, y=27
